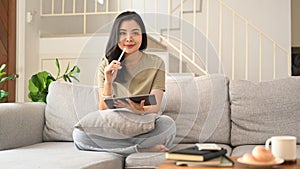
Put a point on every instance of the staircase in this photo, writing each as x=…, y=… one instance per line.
x=192, y=35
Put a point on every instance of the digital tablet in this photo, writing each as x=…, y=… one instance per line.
x=149, y=100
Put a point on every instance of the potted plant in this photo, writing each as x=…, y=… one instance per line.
x=3, y=93
x=39, y=83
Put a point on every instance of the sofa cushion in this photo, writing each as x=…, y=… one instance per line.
x=66, y=104
x=200, y=108
x=116, y=123
x=261, y=110
x=50, y=155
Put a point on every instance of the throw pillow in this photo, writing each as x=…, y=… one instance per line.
x=116, y=123
x=66, y=104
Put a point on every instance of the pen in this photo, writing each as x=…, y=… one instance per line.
x=122, y=54
x=120, y=57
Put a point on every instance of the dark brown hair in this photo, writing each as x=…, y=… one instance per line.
x=113, y=51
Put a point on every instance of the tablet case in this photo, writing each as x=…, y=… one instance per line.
x=149, y=100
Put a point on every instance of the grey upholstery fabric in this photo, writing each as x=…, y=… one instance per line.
x=21, y=124
x=200, y=108
x=54, y=155
x=261, y=110
x=66, y=104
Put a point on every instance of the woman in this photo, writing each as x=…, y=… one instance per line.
x=136, y=73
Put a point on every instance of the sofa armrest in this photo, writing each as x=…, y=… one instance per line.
x=21, y=124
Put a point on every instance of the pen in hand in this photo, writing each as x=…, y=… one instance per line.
x=120, y=57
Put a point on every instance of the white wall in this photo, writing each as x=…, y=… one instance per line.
x=85, y=52
x=20, y=53
x=27, y=46
x=273, y=17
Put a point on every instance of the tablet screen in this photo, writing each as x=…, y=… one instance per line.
x=149, y=100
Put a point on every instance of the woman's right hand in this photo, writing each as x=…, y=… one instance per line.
x=110, y=73
x=111, y=70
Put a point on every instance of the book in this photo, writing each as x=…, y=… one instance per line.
x=194, y=154
x=222, y=161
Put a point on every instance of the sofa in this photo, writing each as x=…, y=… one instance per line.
x=236, y=114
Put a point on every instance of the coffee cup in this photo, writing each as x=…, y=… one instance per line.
x=283, y=147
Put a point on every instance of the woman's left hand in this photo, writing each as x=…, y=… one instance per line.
x=136, y=108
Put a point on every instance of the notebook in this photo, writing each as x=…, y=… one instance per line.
x=194, y=154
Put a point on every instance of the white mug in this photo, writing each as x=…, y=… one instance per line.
x=283, y=147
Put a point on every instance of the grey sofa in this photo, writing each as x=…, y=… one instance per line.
x=235, y=114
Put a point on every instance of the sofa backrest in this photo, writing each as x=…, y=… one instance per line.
x=265, y=109
x=200, y=108
x=199, y=105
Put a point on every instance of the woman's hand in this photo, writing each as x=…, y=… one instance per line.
x=136, y=108
x=111, y=70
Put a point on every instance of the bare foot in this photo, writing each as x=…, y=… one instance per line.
x=156, y=148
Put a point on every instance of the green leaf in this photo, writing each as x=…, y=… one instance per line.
x=58, y=67
x=35, y=81
x=2, y=73
x=6, y=78
x=42, y=77
x=11, y=77
x=3, y=95
x=64, y=77
x=32, y=87
x=67, y=68
x=32, y=96
x=74, y=78
x=50, y=79
x=38, y=86
x=74, y=70
x=40, y=97
x=69, y=79
x=2, y=67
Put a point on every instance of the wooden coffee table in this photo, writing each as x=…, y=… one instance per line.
x=170, y=164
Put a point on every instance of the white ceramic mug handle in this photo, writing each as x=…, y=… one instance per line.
x=267, y=145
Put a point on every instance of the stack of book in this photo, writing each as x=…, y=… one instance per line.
x=195, y=156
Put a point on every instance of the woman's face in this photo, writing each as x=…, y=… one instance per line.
x=130, y=36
